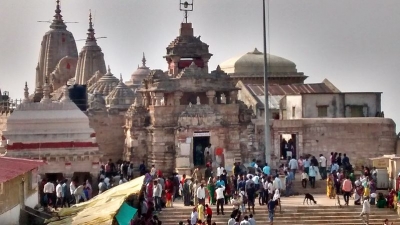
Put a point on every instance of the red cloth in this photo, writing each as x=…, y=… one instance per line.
x=219, y=151
x=209, y=211
x=168, y=196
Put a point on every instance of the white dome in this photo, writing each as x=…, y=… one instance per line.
x=252, y=63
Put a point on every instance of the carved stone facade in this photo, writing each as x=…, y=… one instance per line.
x=184, y=103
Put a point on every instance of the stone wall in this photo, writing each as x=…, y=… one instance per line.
x=3, y=123
x=359, y=138
x=109, y=133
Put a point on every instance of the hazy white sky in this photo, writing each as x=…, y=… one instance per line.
x=353, y=43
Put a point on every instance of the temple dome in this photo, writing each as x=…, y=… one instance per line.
x=252, y=63
x=141, y=73
x=121, y=97
x=105, y=84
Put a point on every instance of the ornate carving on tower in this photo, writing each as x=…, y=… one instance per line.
x=91, y=58
x=64, y=71
x=57, y=43
x=185, y=50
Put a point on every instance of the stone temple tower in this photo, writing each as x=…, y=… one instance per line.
x=57, y=44
x=185, y=50
x=91, y=58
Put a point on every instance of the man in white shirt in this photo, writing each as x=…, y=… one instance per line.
x=220, y=170
x=72, y=187
x=201, y=194
x=322, y=166
x=366, y=209
x=277, y=184
x=153, y=171
x=220, y=198
x=157, y=192
x=293, y=165
x=252, y=221
x=232, y=221
x=245, y=221
x=59, y=194
x=194, y=216
x=48, y=190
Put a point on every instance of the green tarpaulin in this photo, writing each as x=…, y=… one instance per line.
x=125, y=214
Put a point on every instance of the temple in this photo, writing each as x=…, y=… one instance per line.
x=167, y=117
x=56, y=132
x=58, y=54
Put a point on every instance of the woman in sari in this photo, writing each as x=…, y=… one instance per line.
x=169, y=189
x=186, y=194
x=372, y=187
x=200, y=211
x=381, y=203
x=211, y=191
x=330, y=188
x=359, y=191
x=390, y=199
x=367, y=190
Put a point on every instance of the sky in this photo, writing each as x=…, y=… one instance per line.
x=353, y=43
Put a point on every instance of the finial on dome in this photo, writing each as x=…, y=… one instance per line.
x=108, y=69
x=65, y=97
x=144, y=60
x=218, y=68
x=138, y=66
x=46, y=92
x=90, y=34
x=58, y=21
x=120, y=78
x=26, y=93
x=256, y=51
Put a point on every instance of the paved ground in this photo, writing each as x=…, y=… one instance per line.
x=322, y=200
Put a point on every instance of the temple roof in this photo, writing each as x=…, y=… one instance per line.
x=105, y=84
x=252, y=64
x=121, y=97
x=187, y=45
x=91, y=58
x=141, y=72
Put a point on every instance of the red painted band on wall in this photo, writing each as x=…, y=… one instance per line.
x=23, y=146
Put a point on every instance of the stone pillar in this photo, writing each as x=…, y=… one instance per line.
x=175, y=69
x=153, y=98
x=177, y=97
x=158, y=97
x=210, y=95
x=205, y=61
x=233, y=97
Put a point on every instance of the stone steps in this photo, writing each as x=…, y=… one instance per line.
x=295, y=215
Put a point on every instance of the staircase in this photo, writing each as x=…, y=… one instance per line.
x=320, y=187
x=293, y=212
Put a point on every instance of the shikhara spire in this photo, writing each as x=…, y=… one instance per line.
x=58, y=22
x=90, y=33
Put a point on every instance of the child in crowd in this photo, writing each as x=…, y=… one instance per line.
x=304, y=179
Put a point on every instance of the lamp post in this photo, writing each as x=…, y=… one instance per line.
x=267, y=131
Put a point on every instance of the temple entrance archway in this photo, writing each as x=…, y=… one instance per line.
x=81, y=177
x=53, y=177
x=200, y=142
x=288, y=146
